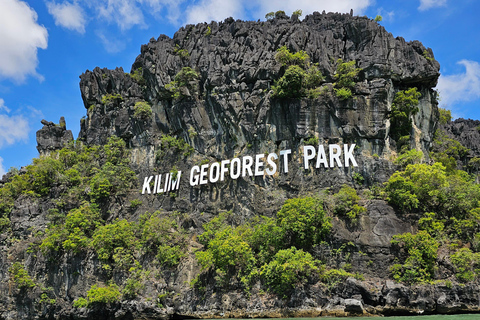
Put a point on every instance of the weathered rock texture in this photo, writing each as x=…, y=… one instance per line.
x=232, y=113
x=53, y=136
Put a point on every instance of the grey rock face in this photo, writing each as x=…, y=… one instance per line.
x=466, y=132
x=233, y=107
x=53, y=137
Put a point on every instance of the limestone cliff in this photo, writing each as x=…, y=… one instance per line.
x=228, y=110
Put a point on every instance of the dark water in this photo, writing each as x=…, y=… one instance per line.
x=434, y=317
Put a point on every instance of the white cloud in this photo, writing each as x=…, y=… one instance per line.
x=309, y=6
x=428, y=4
x=3, y=106
x=2, y=169
x=68, y=15
x=207, y=10
x=12, y=128
x=111, y=44
x=460, y=87
x=125, y=13
x=20, y=37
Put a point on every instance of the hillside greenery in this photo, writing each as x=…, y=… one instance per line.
x=277, y=253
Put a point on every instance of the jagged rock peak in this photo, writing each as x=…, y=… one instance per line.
x=230, y=106
x=53, y=136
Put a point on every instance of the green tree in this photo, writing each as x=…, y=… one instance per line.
x=404, y=106
x=304, y=222
x=288, y=269
x=420, y=252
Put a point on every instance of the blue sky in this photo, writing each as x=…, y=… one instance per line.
x=46, y=44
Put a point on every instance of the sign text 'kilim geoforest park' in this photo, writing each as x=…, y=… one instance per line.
x=252, y=166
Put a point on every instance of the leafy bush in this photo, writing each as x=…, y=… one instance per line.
x=137, y=75
x=185, y=79
x=112, y=98
x=177, y=144
x=297, y=12
x=300, y=77
x=20, y=276
x=445, y=116
x=404, y=106
x=343, y=93
x=182, y=53
x=288, y=269
x=142, y=110
x=412, y=156
x=466, y=264
x=332, y=277
x=304, y=222
x=164, y=237
x=420, y=251
x=228, y=252
x=270, y=15
x=346, y=203
x=74, y=235
x=117, y=235
x=429, y=188
x=103, y=295
x=346, y=74
x=378, y=18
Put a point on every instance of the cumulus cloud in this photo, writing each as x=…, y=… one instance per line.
x=20, y=38
x=428, y=4
x=207, y=10
x=460, y=87
x=68, y=15
x=13, y=128
x=124, y=13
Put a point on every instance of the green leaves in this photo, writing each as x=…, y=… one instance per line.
x=288, y=268
x=303, y=222
x=300, y=78
x=405, y=105
x=421, y=252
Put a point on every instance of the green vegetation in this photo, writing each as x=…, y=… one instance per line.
x=301, y=78
x=412, y=156
x=426, y=55
x=20, y=276
x=137, y=75
x=405, y=105
x=420, y=252
x=445, y=116
x=142, y=110
x=98, y=295
x=467, y=264
x=182, y=53
x=112, y=98
x=378, y=18
x=288, y=269
x=279, y=13
x=266, y=248
x=297, y=12
x=346, y=204
x=208, y=32
x=270, y=15
x=345, y=76
x=178, y=145
x=448, y=151
x=184, y=81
